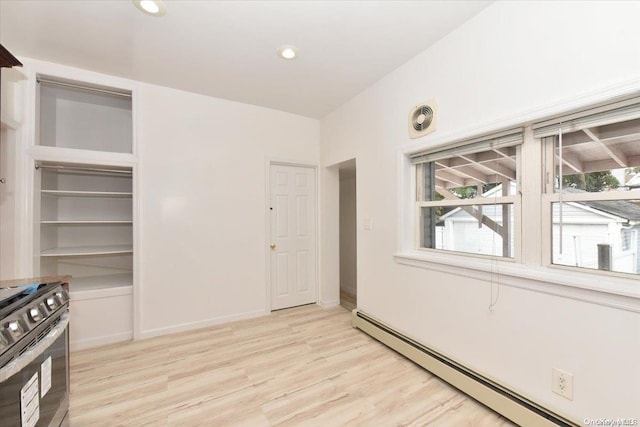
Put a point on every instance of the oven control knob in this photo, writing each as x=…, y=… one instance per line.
x=43, y=308
x=14, y=328
x=51, y=302
x=62, y=296
x=34, y=314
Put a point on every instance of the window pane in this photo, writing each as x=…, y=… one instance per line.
x=482, y=174
x=477, y=229
x=598, y=234
x=604, y=158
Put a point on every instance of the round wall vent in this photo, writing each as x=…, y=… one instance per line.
x=422, y=119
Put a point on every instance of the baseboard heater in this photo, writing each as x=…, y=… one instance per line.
x=517, y=408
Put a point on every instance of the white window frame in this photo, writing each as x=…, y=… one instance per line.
x=550, y=196
x=513, y=200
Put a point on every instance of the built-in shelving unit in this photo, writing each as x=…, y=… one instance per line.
x=77, y=220
x=83, y=208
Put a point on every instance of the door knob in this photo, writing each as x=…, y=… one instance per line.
x=272, y=246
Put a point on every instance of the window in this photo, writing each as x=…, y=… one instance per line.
x=593, y=187
x=628, y=237
x=563, y=192
x=466, y=196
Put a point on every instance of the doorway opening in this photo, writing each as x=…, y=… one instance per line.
x=348, y=235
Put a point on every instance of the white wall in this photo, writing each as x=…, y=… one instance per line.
x=512, y=60
x=203, y=203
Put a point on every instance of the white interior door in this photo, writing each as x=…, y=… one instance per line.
x=293, y=236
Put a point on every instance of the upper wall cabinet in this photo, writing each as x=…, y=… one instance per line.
x=81, y=116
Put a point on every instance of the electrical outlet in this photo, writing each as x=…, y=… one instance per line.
x=562, y=383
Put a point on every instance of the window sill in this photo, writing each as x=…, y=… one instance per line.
x=618, y=292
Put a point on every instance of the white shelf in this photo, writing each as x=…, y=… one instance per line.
x=95, y=222
x=65, y=193
x=88, y=250
x=79, y=156
x=101, y=286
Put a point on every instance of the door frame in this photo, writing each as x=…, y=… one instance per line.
x=267, y=250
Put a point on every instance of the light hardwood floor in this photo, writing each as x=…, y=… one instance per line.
x=304, y=366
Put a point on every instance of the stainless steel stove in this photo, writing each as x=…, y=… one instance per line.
x=34, y=355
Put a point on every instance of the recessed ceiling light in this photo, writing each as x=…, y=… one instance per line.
x=151, y=7
x=288, y=52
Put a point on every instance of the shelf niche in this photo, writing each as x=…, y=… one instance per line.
x=81, y=116
x=86, y=224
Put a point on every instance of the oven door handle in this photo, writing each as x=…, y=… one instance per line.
x=30, y=355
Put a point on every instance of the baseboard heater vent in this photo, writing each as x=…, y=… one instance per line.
x=517, y=408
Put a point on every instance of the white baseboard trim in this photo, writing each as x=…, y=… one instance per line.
x=329, y=304
x=517, y=408
x=99, y=341
x=149, y=333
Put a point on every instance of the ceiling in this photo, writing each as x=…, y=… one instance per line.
x=227, y=49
